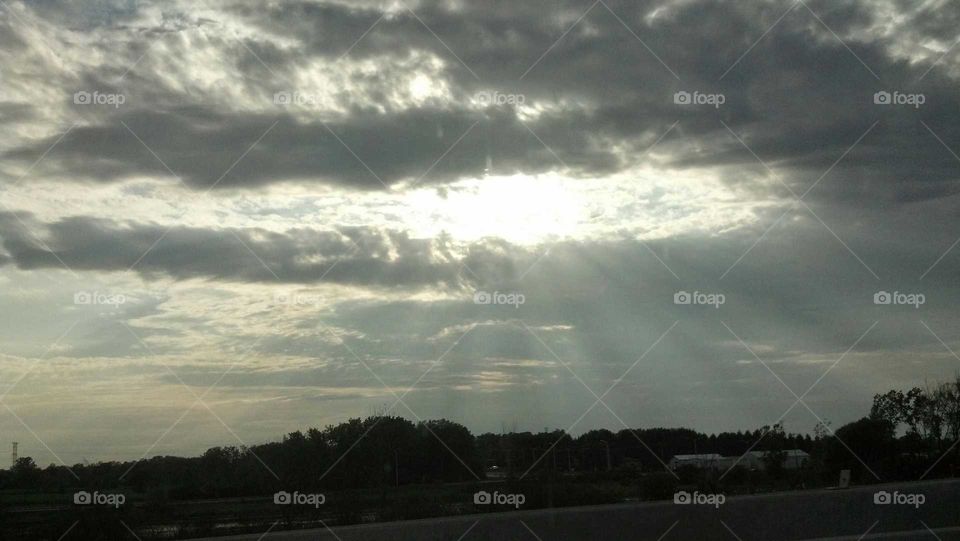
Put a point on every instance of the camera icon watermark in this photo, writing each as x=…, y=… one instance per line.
x=98, y=298
x=498, y=298
x=898, y=298
x=897, y=498
x=97, y=498
x=85, y=97
x=297, y=498
x=698, y=98
x=700, y=298
x=698, y=498
x=884, y=97
x=498, y=498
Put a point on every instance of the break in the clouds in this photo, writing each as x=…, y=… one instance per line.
x=307, y=204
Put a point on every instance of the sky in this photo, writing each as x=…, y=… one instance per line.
x=221, y=222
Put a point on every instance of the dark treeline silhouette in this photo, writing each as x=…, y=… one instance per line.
x=389, y=468
x=929, y=419
x=386, y=451
x=376, y=451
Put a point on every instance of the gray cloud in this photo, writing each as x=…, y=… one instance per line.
x=350, y=255
x=799, y=99
x=202, y=145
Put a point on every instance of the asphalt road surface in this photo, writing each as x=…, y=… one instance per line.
x=823, y=515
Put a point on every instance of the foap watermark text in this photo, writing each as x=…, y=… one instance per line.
x=698, y=498
x=98, y=298
x=85, y=97
x=295, y=97
x=485, y=99
x=898, y=498
x=899, y=298
x=499, y=298
x=298, y=498
x=699, y=297
x=293, y=298
x=899, y=98
x=699, y=98
x=498, y=498
x=99, y=498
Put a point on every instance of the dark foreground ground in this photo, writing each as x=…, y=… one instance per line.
x=814, y=514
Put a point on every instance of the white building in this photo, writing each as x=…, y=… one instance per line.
x=710, y=460
x=754, y=460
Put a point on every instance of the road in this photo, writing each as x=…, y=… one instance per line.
x=823, y=515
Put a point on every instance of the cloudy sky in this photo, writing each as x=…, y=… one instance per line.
x=224, y=221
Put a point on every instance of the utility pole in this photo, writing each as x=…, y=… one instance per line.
x=13, y=455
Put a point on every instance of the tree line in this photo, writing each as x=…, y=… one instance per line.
x=908, y=434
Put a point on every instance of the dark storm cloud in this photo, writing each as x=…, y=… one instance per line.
x=201, y=146
x=360, y=256
x=799, y=99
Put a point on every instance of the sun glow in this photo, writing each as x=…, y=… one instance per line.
x=518, y=208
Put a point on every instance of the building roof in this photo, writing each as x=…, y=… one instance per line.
x=709, y=456
x=788, y=452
